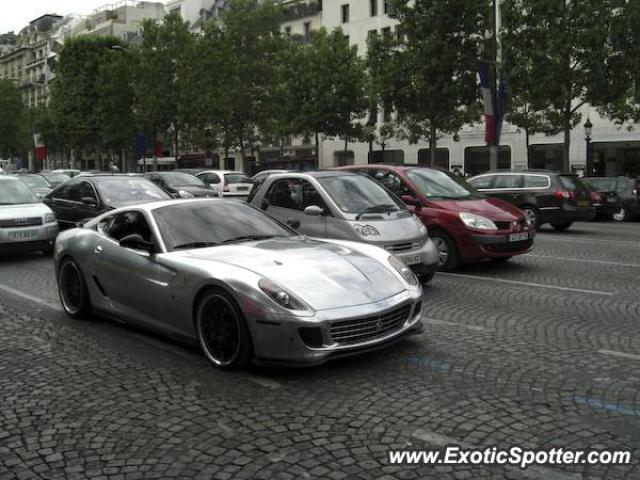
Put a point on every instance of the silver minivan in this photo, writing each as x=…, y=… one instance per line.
x=348, y=206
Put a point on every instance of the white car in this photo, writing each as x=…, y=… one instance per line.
x=227, y=183
x=26, y=224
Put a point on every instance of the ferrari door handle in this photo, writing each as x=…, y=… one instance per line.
x=98, y=249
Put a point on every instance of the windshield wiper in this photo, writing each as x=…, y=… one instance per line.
x=382, y=208
x=248, y=238
x=196, y=245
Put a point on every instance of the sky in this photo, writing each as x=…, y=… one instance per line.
x=16, y=14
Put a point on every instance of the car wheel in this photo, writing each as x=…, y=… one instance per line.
x=222, y=332
x=621, y=215
x=425, y=278
x=532, y=216
x=448, y=258
x=72, y=289
x=561, y=227
x=48, y=250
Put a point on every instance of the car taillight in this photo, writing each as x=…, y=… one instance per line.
x=225, y=186
x=565, y=195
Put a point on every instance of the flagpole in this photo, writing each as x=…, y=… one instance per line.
x=494, y=147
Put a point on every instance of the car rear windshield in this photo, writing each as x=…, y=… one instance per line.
x=573, y=183
x=359, y=194
x=236, y=178
x=179, y=179
x=196, y=225
x=13, y=192
x=34, y=181
x=121, y=191
x=440, y=184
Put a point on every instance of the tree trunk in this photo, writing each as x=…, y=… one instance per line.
x=526, y=139
x=346, y=146
x=317, y=149
x=433, y=140
x=176, y=145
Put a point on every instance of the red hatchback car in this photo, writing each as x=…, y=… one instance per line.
x=463, y=223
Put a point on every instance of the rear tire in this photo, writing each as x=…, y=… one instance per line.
x=72, y=289
x=561, y=227
x=448, y=257
x=532, y=215
x=621, y=215
x=222, y=332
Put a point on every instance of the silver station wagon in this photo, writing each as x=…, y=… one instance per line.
x=348, y=206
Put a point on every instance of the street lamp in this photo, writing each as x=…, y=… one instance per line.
x=588, y=128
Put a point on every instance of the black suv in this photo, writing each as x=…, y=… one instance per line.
x=623, y=193
x=545, y=197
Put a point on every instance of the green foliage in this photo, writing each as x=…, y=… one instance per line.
x=559, y=55
x=77, y=90
x=428, y=76
x=12, y=127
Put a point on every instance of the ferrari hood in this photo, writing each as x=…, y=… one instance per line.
x=323, y=275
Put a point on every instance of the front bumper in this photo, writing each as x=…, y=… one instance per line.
x=278, y=339
x=427, y=254
x=502, y=245
x=24, y=239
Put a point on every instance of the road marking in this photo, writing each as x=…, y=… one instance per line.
x=527, y=284
x=613, y=353
x=591, y=240
x=534, y=471
x=453, y=324
x=262, y=381
x=605, y=406
x=31, y=298
x=600, y=262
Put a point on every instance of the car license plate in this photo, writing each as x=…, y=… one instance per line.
x=242, y=189
x=518, y=237
x=23, y=235
x=411, y=259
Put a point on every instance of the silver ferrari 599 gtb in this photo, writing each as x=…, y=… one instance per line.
x=241, y=284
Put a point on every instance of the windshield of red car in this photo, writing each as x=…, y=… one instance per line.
x=440, y=184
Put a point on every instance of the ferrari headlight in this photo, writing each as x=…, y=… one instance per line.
x=403, y=270
x=476, y=221
x=366, y=230
x=49, y=218
x=281, y=296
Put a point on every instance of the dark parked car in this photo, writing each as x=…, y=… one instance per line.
x=85, y=197
x=55, y=179
x=545, y=197
x=622, y=194
x=464, y=224
x=180, y=184
x=36, y=183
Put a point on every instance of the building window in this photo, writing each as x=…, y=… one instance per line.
x=385, y=6
x=319, y=5
x=392, y=157
x=442, y=157
x=372, y=34
x=373, y=7
x=386, y=32
x=287, y=31
x=345, y=13
x=307, y=31
x=476, y=159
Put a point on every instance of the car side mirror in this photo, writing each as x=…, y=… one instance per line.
x=411, y=200
x=294, y=223
x=89, y=201
x=136, y=242
x=313, y=211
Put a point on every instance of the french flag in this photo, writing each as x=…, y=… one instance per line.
x=486, y=87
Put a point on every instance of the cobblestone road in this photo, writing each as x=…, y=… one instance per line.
x=542, y=351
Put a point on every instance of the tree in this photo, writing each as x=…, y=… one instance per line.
x=429, y=73
x=76, y=92
x=326, y=87
x=565, y=49
x=160, y=81
x=243, y=89
x=12, y=120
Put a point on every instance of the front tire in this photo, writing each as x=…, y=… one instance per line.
x=561, y=227
x=621, y=215
x=448, y=257
x=425, y=278
x=532, y=216
x=72, y=289
x=222, y=332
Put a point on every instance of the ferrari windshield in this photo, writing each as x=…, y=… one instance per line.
x=206, y=224
x=438, y=184
x=13, y=192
